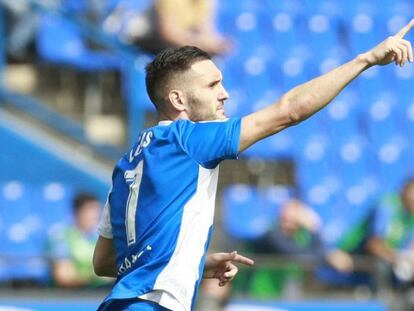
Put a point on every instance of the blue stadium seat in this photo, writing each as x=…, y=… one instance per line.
x=398, y=13
x=247, y=31
x=313, y=158
x=228, y=14
x=23, y=247
x=321, y=32
x=333, y=9
x=255, y=79
x=393, y=162
x=240, y=217
x=406, y=116
x=322, y=195
x=293, y=7
x=60, y=41
x=294, y=69
x=279, y=146
x=248, y=212
x=54, y=203
x=381, y=117
x=351, y=162
x=364, y=32
x=342, y=117
x=403, y=78
x=283, y=33
x=370, y=83
x=325, y=60
x=134, y=85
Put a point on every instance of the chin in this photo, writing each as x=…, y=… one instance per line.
x=221, y=116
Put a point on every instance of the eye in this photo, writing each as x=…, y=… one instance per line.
x=214, y=83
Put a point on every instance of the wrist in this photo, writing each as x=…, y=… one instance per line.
x=364, y=60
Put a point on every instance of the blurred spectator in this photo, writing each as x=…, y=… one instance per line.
x=392, y=235
x=71, y=249
x=386, y=232
x=166, y=23
x=339, y=251
x=295, y=233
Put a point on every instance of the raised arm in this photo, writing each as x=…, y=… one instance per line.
x=306, y=99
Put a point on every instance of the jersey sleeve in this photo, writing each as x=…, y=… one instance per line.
x=209, y=143
x=105, y=226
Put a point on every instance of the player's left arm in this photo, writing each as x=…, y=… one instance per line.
x=104, y=262
x=221, y=266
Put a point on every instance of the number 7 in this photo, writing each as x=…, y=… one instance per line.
x=132, y=203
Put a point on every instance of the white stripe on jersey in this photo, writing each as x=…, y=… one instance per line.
x=197, y=219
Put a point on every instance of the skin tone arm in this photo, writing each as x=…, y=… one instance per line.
x=340, y=260
x=206, y=37
x=104, y=263
x=376, y=246
x=64, y=274
x=218, y=265
x=304, y=100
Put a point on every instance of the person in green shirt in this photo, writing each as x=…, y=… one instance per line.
x=386, y=231
x=392, y=232
x=347, y=237
x=71, y=248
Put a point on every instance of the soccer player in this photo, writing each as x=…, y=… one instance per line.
x=157, y=223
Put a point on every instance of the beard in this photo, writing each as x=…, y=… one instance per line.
x=198, y=114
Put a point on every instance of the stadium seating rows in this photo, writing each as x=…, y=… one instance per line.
x=28, y=215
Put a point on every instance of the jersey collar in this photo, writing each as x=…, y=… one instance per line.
x=165, y=122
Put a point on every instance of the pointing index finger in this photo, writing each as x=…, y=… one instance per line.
x=405, y=29
x=244, y=260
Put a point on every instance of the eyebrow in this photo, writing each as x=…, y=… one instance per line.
x=216, y=80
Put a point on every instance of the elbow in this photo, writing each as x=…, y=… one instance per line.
x=98, y=267
x=101, y=271
x=297, y=109
x=104, y=269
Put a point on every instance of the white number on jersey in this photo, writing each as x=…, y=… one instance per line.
x=132, y=203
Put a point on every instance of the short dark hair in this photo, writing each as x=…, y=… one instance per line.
x=81, y=199
x=168, y=62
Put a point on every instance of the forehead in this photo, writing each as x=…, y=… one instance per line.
x=205, y=69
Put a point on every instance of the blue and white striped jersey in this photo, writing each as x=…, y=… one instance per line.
x=161, y=206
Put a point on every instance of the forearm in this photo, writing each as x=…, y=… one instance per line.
x=299, y=103
x=310, y=97
x=377, y=247
x=304, y=100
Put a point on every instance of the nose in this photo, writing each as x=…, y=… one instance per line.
x=223, y=95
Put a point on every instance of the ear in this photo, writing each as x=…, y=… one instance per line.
x=177, y=100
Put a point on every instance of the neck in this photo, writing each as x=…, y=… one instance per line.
x=173, y=116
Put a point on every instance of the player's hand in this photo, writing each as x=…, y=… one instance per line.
x=394, y=48
x=220, y=266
